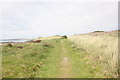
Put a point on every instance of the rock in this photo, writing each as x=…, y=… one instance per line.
x=20, y=47
x=36, y=41
x=46, y=45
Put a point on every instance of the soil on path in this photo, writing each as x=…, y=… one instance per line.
x=65, y=62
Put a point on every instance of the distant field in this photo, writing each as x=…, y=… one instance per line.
x=91, y=55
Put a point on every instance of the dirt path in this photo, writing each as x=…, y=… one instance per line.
x=65, y=62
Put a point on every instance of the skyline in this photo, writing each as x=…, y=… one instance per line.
x=40, y=19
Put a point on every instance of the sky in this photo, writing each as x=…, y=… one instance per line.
x=32, y=19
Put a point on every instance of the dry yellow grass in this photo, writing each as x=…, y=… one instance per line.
x=102, y=49
x=49, y=38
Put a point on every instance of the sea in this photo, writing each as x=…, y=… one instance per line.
x=13, y=40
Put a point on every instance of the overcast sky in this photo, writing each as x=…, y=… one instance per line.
x=50, y=17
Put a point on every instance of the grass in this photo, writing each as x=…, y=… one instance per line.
x=20, y=63
x=81, y=66
x=86, y=56
x=0, y=62
x=102, y=52
x=51, y=67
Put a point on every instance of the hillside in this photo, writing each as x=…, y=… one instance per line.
x=101, y=49
x=91, y=55
x=99, y=33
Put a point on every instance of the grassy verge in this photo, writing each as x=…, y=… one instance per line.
x=81, y=65
x=25, y=62
x=51, y=67
x=101, y=52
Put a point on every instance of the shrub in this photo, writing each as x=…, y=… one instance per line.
x=64, y=37
x=98, y=31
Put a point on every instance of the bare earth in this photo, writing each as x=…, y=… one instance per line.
x=65, y=63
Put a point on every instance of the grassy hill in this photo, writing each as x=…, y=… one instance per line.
x=90, y=55
x=101, y=49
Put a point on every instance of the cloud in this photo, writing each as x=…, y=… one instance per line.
x=34, y=19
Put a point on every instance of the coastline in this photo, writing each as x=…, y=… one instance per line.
x=5, y=43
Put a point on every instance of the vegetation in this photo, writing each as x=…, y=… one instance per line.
x=101, y=50
x=98, y=31
x=64, y=37
x=79, y=56
x=25, y=62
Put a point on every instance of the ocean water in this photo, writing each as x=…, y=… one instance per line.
x=13, y=40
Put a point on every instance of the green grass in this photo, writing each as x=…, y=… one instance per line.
x=51, y=67
x=81, y=65
x=87, y=57
x=20, y=63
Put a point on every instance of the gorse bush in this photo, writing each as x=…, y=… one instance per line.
x=64, y=37
x=98, y=31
